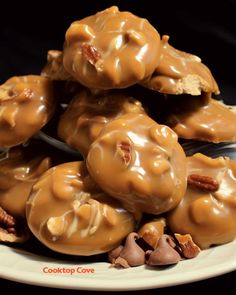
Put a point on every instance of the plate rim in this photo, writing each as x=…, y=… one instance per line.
x=88, y=283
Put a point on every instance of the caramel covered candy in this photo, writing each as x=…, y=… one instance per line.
x=20, y=168
x=26, y=104
x=88, y=113
x=140, y=163
x=111, y=49
x=208, y=209
x=54, y=68
x=202, y=118
x=69, y=214
x=179, y=72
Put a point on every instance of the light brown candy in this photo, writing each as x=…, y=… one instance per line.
x=69, y=214
x=26, y=105
x=208, y=216
x=140, y=163
x=179, y=72
x=202, y=118
x=54, y=68
x=111, y=49
x=88, y=113
x=19, y=170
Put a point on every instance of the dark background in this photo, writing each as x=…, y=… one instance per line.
x=205, y=28
x=225, y=283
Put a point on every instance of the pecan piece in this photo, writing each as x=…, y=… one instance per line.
x=6, y=220
x=203, y=182
x=188, y=248
x=124, y=150
x=14, y=237
x=90, y=53
x=152, y=231
x=25, y=95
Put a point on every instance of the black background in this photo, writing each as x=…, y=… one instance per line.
x=225, y=283
x=206, y=28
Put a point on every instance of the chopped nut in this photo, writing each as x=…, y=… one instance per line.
x=115, y=253
x=90, y=53
x=79, y=33
x=137, y=38
x=6, y=220
x=152, y=231
x=124, y=149
x=10, y=230
x=24, y=95
x=119, y=261
x=16, y=237
x=203, y=182
x=56, y=225
x=187, y=246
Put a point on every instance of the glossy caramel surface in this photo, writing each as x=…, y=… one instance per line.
x=140, y=163
x=111, y=49
x=209, y=216
x=88, y=113
x=202, y=118
x=179, y=72
x=20, y=168
x=26, y=104
x=68, y=213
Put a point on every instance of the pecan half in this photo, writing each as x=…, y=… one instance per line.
x=90, y=53
x=6, y=220
x=124, y=150
x=203, y=182
x=188, y=248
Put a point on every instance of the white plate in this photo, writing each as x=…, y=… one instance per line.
x=25, y=267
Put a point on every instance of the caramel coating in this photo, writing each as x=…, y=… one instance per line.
x=111, y=49
x=140, y=163
x=69, y=214
x=88, y=113
x=26, y=104
x=208, y=216
x=19, y=170
x=54, y=68
x=179, y=72
x=203, y=118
